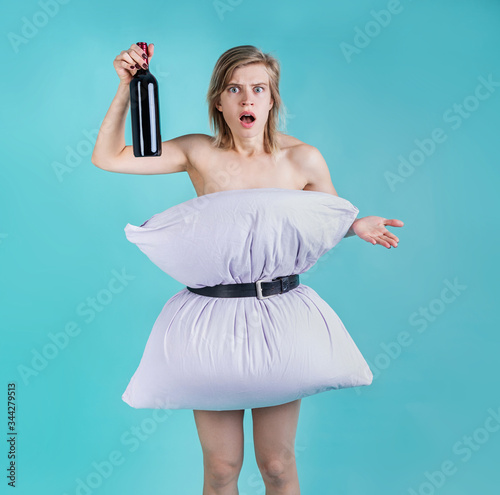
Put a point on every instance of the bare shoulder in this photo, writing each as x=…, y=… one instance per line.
x=195, y=147
x=289, y=143
x=194, y=142
x=296, y=150
x=309, y=162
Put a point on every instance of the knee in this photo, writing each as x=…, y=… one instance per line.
x=221, y=472
x=277, y=472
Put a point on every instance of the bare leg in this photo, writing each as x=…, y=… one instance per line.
x=221, y=437
x=274, y=431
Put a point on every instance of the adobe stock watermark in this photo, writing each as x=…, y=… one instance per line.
x=192, y=209
x=464, y=448
x=75, y=154
x=426, y=147
x=58, y=341
x=364, y=37
x=223, y=6
x=130, y=440
x=30, y=27
x=421, y=319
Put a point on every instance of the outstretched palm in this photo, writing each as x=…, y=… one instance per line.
x=372, y=229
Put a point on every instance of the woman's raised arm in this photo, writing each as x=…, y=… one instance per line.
x=110, y=152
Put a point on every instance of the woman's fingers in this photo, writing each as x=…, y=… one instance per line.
x=383, y=240
x=133, y=59
x=136, y=53
x=387, y=238
x=390, y=240
x=130, y=61
x=390, y=235
x=393, y=222
x=126, y=65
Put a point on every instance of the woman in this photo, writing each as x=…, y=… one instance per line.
x=246, y=152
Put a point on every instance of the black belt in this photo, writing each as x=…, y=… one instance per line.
x=260, y=289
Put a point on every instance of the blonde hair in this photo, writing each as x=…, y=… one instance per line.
x=234, y=58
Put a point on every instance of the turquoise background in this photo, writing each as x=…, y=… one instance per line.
x=434, y=404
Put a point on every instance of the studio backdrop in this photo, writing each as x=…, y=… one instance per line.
x=401, y=97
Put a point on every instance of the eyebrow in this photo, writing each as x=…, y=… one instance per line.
x=255, y=84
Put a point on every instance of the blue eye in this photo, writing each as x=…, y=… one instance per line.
x=261, y=88
x=230, y=89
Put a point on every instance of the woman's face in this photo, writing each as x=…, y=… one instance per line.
x=247, y=92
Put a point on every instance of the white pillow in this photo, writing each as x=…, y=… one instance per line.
x=239, y=353
x=239, y=236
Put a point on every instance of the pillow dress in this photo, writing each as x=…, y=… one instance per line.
x=226, y=353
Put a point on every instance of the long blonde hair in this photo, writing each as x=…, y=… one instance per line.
x=232, y=59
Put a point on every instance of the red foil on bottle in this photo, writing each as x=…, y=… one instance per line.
x=144, y=46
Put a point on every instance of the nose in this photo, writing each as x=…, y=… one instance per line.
x=246, y=97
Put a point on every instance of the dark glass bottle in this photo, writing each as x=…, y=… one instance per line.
x=144, y=111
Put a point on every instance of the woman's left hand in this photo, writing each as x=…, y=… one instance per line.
x=372, y=229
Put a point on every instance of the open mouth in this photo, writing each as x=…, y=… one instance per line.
x=247, y=118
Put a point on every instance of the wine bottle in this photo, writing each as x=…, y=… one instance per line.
x=144, y=111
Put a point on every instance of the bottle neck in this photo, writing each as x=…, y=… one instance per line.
x=144, y=46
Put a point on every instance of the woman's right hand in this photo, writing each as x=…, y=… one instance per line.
x=128, y=61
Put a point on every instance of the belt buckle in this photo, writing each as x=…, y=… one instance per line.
x=258, y=287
